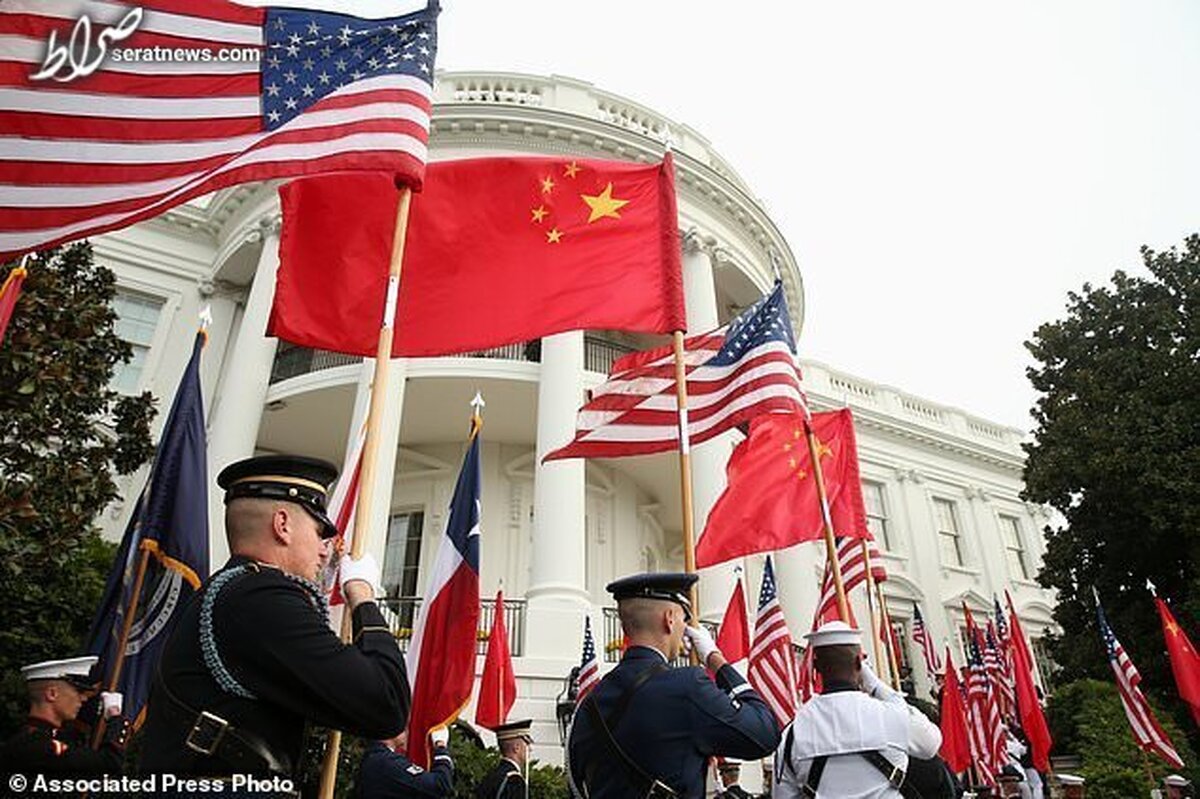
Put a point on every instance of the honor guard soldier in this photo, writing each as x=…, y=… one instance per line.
x=510, y=778
x=854, y=740
x=387, y=773
x=253, y=657
x=649, y=730
x=47, y=743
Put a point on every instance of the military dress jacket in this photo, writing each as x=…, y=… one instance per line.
x=384, y=774
x=255, y=649
x=41, y=748
x=676, y=721
x=504, y=781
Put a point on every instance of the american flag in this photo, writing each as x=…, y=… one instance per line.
x=772, y=661
x=984, y=717
x=1147, y=732
x=1000, y=672
x=589, y=664
x=922, y=636
x=850, y=558
x=311, y=92
x=733, y=374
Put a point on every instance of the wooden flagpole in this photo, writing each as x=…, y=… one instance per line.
x=370, y=460
x=889, y=642
x=872, y=595
x=831, y=556
x=685, y=471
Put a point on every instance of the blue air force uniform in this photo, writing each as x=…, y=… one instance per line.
x=667, y=721
x=385, y=774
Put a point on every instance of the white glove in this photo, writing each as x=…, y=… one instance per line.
x=440, y=736
x=112, y=703
x=701, y=640
x=870, y=682
x=366, y=569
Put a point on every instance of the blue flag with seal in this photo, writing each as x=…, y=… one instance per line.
x=163, y=557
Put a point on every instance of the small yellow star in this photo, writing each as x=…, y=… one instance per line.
x=787, y=447
x=796, y=433
x=801, y=474
x=553, y=235
x=547, y=184
x=603, y=204
x=792, y=463
x=571, y=169
x=1172, y=628
x=539, y=213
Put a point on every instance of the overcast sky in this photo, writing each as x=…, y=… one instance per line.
x=945, y=172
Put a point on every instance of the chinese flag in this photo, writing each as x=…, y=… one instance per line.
x=498, y=687
x=733, y=637
x=956, y=746
x=1185, y=664
x=9, y=292
x=771, y=500
x=1029, y=709
x=499, y=250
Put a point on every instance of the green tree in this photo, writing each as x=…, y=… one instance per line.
x=1117, y=453
x=1086, y=718
x=63, y=435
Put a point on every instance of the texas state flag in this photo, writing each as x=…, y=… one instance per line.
x=441, y=657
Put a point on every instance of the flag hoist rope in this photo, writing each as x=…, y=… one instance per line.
x=370, y=458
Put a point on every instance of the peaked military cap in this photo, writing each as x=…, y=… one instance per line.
x=514, y=729
x=291, y=478
x=671, y=586
x=80, y=671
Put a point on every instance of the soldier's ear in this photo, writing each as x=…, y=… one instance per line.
x=281, y=526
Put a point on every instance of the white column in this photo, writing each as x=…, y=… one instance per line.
x=709, y=458
x=557, y=594
x=389, y=442
x=233, y=426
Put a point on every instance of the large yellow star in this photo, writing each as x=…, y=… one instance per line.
x=539, y=213
x=604, y=204
x=553, y=235
x=824, y=450
x=1172, y=628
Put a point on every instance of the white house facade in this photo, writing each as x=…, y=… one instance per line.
x=942, y=486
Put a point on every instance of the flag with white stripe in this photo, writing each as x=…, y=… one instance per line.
x=924, y=638
x=589, y=664
x=106, y=135
x=1147, y=732
x=732, y=375
x=854, y=573
x=772, y=660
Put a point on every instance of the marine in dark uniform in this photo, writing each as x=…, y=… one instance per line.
x=387, y=773
x=49, y=742
x=253, y=658
x=508, y=779
x=664, y=723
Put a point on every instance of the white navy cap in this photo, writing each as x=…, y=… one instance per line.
x=77, y=671
x=1175, y=781
x=1070, y=779
x=834, y=633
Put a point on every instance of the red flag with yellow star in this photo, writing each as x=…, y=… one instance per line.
x=1185, y=663
x=771, y=501
x=499, y=251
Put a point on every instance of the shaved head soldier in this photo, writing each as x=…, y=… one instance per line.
x=253, y=659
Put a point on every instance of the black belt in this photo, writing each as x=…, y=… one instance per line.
x=212, y=736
